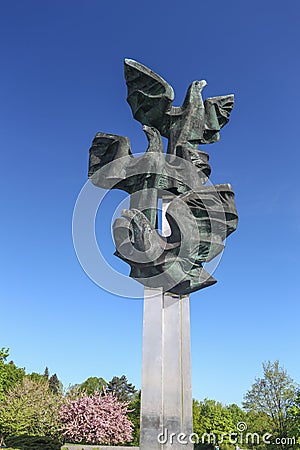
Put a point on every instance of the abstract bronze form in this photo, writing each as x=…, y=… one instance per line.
x=200, y=216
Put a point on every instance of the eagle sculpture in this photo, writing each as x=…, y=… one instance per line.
x=150, y=98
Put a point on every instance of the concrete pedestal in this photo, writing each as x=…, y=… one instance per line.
x=166, y=409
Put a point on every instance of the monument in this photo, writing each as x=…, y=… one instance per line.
x=196, y=217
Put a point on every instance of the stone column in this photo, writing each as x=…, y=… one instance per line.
x=166, y=408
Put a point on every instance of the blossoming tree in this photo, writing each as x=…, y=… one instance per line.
x=96, y=419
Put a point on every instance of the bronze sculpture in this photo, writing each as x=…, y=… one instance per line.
x=200, y=216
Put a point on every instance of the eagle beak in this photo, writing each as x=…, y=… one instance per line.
x=146, y=129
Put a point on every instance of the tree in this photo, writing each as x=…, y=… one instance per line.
x=30, y=408
x=73, y=391
x=10, y=374
x=273, y=395
x=237, y=414
x=52, y=382
x=96, y=419
x=294, y=419
x=55, y=385
x=258, y=424
x=121, y=388
x=37, y=377
x=92, y=385
x=46, y=373
x=134, y=410
x=3, y=355
x=212, y=422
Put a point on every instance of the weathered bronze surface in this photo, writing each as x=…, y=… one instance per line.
x=150, y=98
x=200, y=216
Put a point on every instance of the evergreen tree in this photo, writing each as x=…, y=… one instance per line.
x=55, y=385
x=123, y=390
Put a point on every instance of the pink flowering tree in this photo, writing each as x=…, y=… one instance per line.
x=96, y=419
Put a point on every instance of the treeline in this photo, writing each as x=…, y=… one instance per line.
x=269, y=417
x=36, y=412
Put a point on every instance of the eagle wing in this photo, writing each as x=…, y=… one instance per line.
x=217, y=112
x=150, y=97
x=110, y=155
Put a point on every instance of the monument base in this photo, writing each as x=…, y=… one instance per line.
x=166, y=403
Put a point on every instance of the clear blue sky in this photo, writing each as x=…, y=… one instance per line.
x=61, y=81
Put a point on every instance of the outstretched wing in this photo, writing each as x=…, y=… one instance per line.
x=217, y=112
x=149, y=96
x=110, y=155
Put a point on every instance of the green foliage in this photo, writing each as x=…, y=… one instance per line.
x=29, y=408
x=53, y=382
x=55, y=385
x=258, y=423
x=121, y=388
x=294, y=419
x=10, y=374
x=73, y=391
x=46, y=373
x=4, y=353
x=237, y=414
x=88, y=387
x=37, y=377
x=134, y=417
x=212, y=418
x=25, y=442
x=92, y=385
x=273, y=397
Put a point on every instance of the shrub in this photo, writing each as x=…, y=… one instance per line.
x=96, y=419
x=33, y=443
